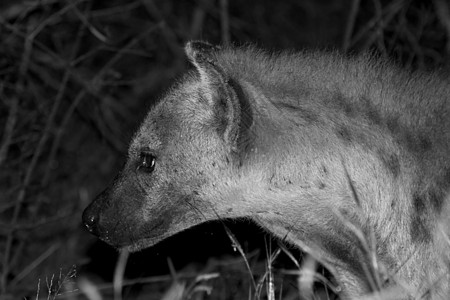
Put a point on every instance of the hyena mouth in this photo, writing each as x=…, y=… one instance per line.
x=140, y=245
x=135, y=240
x=143, y=243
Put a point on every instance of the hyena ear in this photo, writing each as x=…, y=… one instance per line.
x=201, y=55
x=225, y=95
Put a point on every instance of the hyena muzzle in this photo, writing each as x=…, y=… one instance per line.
x=345, y=157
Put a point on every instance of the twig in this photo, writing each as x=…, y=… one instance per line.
x=238, y=247
x=51, y=19
x=9, y=128
x=379, y=31
x=95, y=32
x=271, y=257
x=35, y=263
x=350, y=25
x=168, y=33
x=21, y=9
x=120, y=9
x=118, y=274
x=388, y=14
x=306, y=278
x=198, y=17
x=224, y=22
x=5, y=227
x=443, y=14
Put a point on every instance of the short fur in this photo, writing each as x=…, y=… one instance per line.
x=329, y=153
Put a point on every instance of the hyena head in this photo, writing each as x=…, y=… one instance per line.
x=180, y=161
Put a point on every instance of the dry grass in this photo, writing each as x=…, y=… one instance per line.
x=75, y=77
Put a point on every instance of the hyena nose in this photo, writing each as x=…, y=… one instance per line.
x=90, y=221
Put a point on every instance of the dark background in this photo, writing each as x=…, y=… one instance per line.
x=77, y=77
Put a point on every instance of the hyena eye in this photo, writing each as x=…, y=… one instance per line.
x=146, y=162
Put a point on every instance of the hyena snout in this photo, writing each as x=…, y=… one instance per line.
x=91, y=217
x=90, y=221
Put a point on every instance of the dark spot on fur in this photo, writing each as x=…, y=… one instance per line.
x=321, y=185
x=410, y=142
x=432, y=198
x=343, y=104
x=344, y=134
x=444, y=181
x=287, y=106
x=213, y=164
x=446, y=177
x=229, y=209
x=371, y=112
x=324, y=169
x=390, y=162
x=393, y=125
x=436, y=199
x=425, y=143
x=419, y=203
x=374, y=116
x=308, y=116
x=419, y=231
x=417, y=144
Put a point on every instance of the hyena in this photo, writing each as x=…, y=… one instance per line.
x=345, y=157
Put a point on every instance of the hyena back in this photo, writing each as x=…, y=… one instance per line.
x=346, y=158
